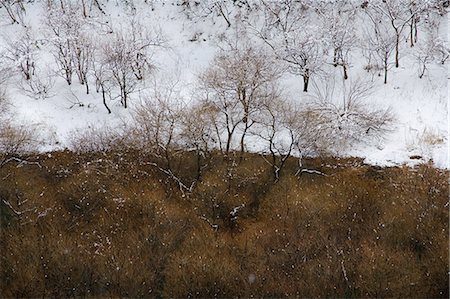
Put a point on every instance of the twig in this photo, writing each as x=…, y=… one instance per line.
x=235, y=211
x=310, y=171
x=344, y=272
x=20, y=161
x=214, y=226
x=171, y=175
x=18, y=213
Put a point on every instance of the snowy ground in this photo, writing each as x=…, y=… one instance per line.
x=419, y=105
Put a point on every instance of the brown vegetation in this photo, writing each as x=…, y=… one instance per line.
x=112, y=224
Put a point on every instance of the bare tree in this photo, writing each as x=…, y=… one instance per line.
x=97, y=138
x=39, y=86
x=15, y=10
x=433, y=49
x=103, y=79
x=197, y=134
x=288, y=31
x=339, y=117
x=128, y=57
x=156, y=127
x=22, y=51
x=235, y=84
x=398, y=14
x=83, y=50
x=158, y=120
x=118, y=62
x=225, y=9
x=412, y=24
x=379, y=44
x=280, y=126
x=64, y=25
x=337, y=20
x=15, y=139
x=421, y=14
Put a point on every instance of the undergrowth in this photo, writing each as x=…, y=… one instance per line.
x=113, y=225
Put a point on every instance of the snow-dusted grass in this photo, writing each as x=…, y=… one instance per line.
x=110, y=224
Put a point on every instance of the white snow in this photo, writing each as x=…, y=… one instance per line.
x=419, y=105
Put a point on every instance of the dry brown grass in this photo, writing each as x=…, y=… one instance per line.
x=110, y=224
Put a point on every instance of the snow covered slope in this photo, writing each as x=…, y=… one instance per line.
x=420, y=106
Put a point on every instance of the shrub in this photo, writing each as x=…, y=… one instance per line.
x=106, y=224
x=339, y=120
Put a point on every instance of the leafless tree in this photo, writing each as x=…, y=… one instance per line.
x=288, y=31
x=337, y=20
x=280, y=126
x=422, y=15
x=15, y=139
x=118, y=62
x=398, y=14
x=15, y=10
x=197, y=134
x=339, y=117
x=128, y=57
x=83, y=50
x=379, y=44
x=103, y=79
x=22, y=51
x=225, y=9
x=235, y=84
x=97, y=138
x=39, y=86
x=433, y=49
x=156, y=127
x=64, y=25
x=87, y=5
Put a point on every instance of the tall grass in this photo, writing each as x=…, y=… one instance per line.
x=112, y=225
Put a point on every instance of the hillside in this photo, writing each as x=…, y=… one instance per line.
x=113, y=225
x=224, y=149
x=186, y=36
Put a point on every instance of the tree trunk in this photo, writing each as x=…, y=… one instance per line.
x=245, y=120
x=415, y=31
x=124, y=92
x=335, y=60
x=227, y=148
x=423, y=71
x=397, y=41
x=27, y=71
x=345, y=71
x=86, y=82
x=411, y=32
x=68, y=76
x=83, y=4
x=62, y=6
x=242, y=141
x=223, y=14
x=104, y=99
x=11, y=14
x=305, y=81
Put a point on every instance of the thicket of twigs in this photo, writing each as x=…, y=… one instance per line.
x=114, y=224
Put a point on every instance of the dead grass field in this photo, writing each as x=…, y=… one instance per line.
x=112, y=225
